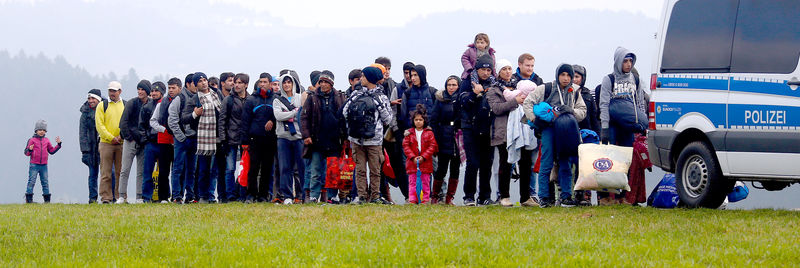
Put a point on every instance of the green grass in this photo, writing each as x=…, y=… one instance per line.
x=371, y=235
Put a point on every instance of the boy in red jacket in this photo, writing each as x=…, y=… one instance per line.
x=38, y=148
x=419, y=146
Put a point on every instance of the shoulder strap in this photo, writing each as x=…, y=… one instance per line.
x=611, y=78
x=635, y=77
x=548, y=88
x=286, y=102
x=105, y=105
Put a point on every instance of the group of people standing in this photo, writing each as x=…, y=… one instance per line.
x=194, y=132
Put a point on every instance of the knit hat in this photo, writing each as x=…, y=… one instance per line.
x=329, y=73
x=96, y=94
x=40, y=125
x=326, y=77
x=503, y=63
x=484, y=61
x=196, y=77
x=380, y=67
x=565, y=68
x=315, y=77
x=160, y=87
x=145, y=85
x=373, y=74
x=115, y=86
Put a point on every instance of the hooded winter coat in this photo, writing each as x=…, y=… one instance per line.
x=312, y=118
x=257, y=111
x=284, y=114
x=444, y=122
x=475, y=112
x=411, y=149
x=87, y=135
x=624, y=87
x=592, y=120
x=570, y=96
x=424, y=94
x=129, y=124
x=470, y=56
x=500, y=109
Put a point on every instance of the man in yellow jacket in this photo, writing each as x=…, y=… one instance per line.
x=107, y=123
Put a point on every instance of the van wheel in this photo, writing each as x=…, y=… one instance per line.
x=699, y=179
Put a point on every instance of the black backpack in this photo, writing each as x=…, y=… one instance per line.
x=610, y=77
x=105, y=104
x=361, y=116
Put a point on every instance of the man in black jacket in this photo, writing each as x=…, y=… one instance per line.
x=132, y=146
x=149, y=140
x=259, y=139
x=89, y=141
x=476, y=123
x=231, y=134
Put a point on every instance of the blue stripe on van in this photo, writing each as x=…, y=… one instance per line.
x=772, y=88
x=669, y=112
x=695, y=83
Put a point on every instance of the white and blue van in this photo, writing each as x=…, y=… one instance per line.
x=725, y=103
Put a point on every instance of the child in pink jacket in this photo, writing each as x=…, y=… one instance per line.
x=38, y=149
x=479, y=47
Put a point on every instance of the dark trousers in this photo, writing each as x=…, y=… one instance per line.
x=165, y=155
x=447, y=162
x=396, y=160
x=479, y=159
x=218, y=172
x=262, y=155
x=503, y=171
x=525, y=172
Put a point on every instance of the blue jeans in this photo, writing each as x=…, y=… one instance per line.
x=290, y=156
x=41, y=170
x=183, y=168
x=564, y=169
x=307, y=174
x=151, y=152
x=231, y=186
x=205, y=185
x=619, y=136
x=94, y=172
x=317, y=166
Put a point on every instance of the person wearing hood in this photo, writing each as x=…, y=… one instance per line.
x=206, y=106
x=183, y=127
x=419, y=93
x=565, y=97
x=323, y=130
x=476, y=123
x=259, y=139
x=444, y=122
x=592, y=120
x=480, y=46
x=89, y=140
x=149, y=139
x=286, y=107
x=366, y=138
x=397, y=97
x=628, y=93
x=525, y=69
x=500, y=109
x=132, y=147
x=164, y=139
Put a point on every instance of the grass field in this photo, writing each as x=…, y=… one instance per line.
x=270, y=235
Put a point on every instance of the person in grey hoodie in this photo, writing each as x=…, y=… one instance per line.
x=286, y=107
x=623, y=89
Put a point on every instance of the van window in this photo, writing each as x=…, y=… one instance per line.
x=699, y=36
x=767, y=38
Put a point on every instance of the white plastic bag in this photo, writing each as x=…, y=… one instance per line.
x=239, y=168
x=603, y=168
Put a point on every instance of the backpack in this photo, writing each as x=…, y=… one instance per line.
x=361, y=116
x=611, y=78
x=105, y=104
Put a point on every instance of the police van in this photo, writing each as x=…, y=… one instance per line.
x=725, y=103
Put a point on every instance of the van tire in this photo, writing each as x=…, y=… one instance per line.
x=699, y=179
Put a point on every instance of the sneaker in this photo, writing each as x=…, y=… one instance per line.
x=277, y=200
x=298, y=201
x=506, y=202
x=487, y=202
x=469, y=202
x=140, y=201
x=250, y=200
x=164, y=202
x=333, y=201
x=288, y=201
x=313, y=200
x=545, y=204
x=212, y=201
x=568, y=203
x=122, y=201
x=530, y=203
x=177, y=201
x=92, y=201
x=203, y=201
x=357, y=201
x=536, y=199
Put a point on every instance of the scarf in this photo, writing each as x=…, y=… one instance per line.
x=207, y=126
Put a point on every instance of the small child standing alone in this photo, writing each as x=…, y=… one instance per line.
x=38, y=148
x=419, y=146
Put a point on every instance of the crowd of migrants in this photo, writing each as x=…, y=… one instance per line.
x=323, y=145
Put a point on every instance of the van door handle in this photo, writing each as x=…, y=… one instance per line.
x=793, y=83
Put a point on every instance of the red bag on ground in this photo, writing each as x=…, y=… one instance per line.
x=387, y=167
x=346, y=169
x=332, y=173
x=245, y=163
